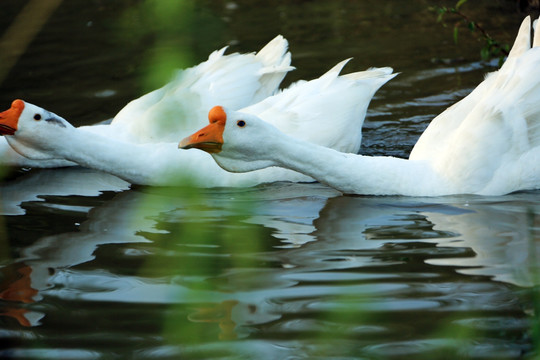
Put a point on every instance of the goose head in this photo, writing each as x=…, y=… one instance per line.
x=238, y=142
x=32, y=131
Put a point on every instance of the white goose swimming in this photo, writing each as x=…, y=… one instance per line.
x=487, y=143
x=166, y=114
x=329, y=111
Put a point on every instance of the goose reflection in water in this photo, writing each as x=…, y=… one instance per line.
x=127, y=218
x=320, y=246
x=491, y=236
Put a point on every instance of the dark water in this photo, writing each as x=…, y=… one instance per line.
x=93, y=269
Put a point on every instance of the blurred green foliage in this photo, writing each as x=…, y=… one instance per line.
x=167, y=28
x=491, y=47
x=162, y=25
x=201, y=253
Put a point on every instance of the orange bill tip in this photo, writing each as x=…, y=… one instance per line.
x=209, y=138
x=9, y=119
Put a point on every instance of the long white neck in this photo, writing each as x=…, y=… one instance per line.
x=136, y=163
x=153, y=163
x=357, y=174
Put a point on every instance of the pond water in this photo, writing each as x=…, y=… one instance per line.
x=93, y=268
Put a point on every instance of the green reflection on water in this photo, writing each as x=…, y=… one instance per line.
x=198, y=244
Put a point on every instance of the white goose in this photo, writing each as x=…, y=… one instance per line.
x=488, y=143
x=166, y=114
x=328, y=111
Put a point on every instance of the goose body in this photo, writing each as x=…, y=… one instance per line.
x=237, y=79
x=488, y=143
x=302, y=111
x=168, y=113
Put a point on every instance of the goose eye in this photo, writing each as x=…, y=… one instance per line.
x=37, y=117
x=241, y=123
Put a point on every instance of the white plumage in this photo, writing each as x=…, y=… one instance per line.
x=168, y=113
x=488, y=143
x=329, y=111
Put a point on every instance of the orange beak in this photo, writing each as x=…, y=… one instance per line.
x=209, y=138
x=9, y=119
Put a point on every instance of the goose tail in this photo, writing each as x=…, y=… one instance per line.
x=276, y=61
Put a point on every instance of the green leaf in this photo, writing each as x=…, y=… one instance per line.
x=485, y=53
x=472, y=26
x=455, y=34
x=441, y=9
x=460, y=2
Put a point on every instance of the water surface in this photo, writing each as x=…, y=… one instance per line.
x=92, y=268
